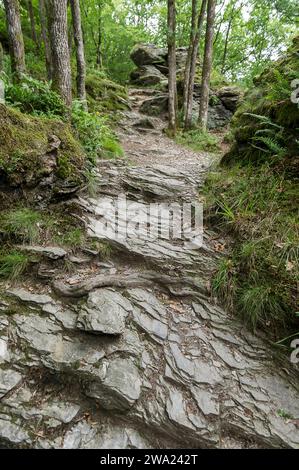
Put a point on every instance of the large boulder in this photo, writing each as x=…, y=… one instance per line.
x=148, y=54
x=39, y=157
x=277, y=109
x=147, y=75
x=156, y=106
x=231, y=96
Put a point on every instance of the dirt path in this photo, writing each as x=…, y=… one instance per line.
x=132, y=352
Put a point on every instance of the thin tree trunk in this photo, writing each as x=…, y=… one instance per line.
x=16, y=41
x=219, y=24
x=70, y=33
x=189, y=55
x=227, y=37
x=45, y=37
x=70, y=37
x=207, y=66
x=32, y=22
x=81, y=68
x=99, y=55
x=194, y=55
x=1, y=58
x=172, y=88
x=62, y=80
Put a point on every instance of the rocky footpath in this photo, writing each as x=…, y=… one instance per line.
x=152, y=71
x=133, y=352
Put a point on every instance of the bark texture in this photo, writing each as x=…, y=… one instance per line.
x=16, y=42
x=193, y=61
x=1, y=57
x=32, y=22
x=45, y=37
x=78, y=35
x=207, y=65
x=190, y=48
x=172, y=88
x=57, y=18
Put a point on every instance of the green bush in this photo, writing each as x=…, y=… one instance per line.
x=34, y=97
x=94, y=133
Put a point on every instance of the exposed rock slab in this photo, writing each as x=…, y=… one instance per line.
x=139, y=357
x=105, y=312
x=51, y=252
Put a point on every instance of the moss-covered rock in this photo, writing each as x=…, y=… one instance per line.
x=267, y=122
x=32, y=149
x=105, y=95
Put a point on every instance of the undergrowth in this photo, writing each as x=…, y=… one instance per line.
x=198, y=140
x=92, y=129
x=13, y=264
x=24, y=225
x=259, y=206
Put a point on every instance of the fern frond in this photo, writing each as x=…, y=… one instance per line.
x=264, y=120
x=272, y=145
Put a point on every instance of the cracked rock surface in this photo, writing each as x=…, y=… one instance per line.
x=134, y=353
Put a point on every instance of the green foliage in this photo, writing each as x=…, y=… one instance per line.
x=34, y=97
x=284, y=414
x=199, y=140
x=13, y=264
x=266, y=124
x=260, y=277
x=23, y=224
x=24, y=142
x=103, y=94
x=94, y=133
x=105, y=249
x=74, y=238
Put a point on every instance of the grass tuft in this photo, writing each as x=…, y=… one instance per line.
x=199, y=140
x=22, y=224
x=13, y=264
x=260, y=278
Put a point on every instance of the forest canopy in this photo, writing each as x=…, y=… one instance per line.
x=248, y=34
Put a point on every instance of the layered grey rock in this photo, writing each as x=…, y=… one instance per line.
x=148, y=54
x=135, y=353
x=231, y=97
x=147, y=75
x=51, y=252
x=105, y=312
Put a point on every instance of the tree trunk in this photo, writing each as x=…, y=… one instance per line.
x=219, y=25
x=193, y=61
x=16, y=41
x=188, y=61
x=1, y=58
x=32, y=21
x=62, y=80
x=45, y=36
x=207, y=66
x=227, y=37
x=99, y=54
x=81, y=68
x=172, y=88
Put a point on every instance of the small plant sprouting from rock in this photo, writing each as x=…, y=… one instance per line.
x=284, y=414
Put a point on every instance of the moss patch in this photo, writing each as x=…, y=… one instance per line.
x=254, y=196
x=268, y=117
x=25, y=144
x=105, y=95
